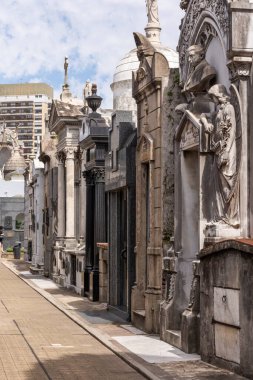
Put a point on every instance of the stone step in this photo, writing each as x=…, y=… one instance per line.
x=173, y=337
x=140, y=313
x=35, y=270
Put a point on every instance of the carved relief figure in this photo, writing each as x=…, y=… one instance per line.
x=200, y=74
x=152, y=11
x=9, y=136
x=222, y=131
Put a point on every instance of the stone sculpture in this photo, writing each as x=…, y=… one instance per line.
x=223, y=136
x=66, y=64
x=152, y=11
x=144, y=48
x=8, y=136
x=200, y=74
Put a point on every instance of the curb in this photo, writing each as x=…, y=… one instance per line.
x=106, y=340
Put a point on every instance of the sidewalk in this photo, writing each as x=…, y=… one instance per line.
x=147, y=354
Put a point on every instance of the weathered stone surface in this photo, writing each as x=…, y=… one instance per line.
x=226, y=321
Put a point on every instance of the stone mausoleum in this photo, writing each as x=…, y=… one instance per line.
x=213, y=186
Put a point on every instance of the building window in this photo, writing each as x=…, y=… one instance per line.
x=19, y=223
x=8, y=223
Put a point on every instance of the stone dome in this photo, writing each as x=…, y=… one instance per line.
x=125, y=67
x=122, y=78
x=170, y=54
x=15, y=165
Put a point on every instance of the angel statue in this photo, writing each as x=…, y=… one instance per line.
x=224, y=144
x=152, y=11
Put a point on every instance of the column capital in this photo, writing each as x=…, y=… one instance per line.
x=99, y=174
x=60, y=156
x=88, y=176
x=70, y=153
x=239, y=68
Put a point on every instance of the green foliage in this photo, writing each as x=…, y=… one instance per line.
x=176, y=78
x=9, y=249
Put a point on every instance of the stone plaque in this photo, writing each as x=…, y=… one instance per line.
x=226, y=306
x=8, y=223
x=189, y=137
x=227, y=342
x=242, y=30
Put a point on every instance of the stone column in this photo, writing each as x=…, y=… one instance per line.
x=99, y=230
x=70, y=193
x=61, y=196
x=89, y=232
x=82, y=208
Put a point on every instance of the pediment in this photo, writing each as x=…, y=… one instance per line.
x=146, y=148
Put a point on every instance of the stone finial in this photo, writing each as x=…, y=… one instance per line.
x=153, y=28
x=94, y=101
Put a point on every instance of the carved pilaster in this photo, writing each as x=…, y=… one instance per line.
x=169, y=277
x=195, y=288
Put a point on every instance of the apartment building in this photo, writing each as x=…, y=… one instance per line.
x=25, y=107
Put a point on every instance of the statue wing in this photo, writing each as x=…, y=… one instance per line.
x=236, y=103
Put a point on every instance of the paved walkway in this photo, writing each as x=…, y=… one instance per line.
x=56, y=339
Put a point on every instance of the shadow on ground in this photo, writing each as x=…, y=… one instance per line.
x=110, y=367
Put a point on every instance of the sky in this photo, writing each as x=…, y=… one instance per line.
x=36, y=35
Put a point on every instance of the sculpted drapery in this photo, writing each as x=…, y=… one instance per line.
x=222, y=131
x=152, y=11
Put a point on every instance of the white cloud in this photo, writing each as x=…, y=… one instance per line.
x=36, y=35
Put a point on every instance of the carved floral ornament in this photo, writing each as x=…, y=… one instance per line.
x=70, y=153
x=94, y=175
x=239, y=68
x=217, y=8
